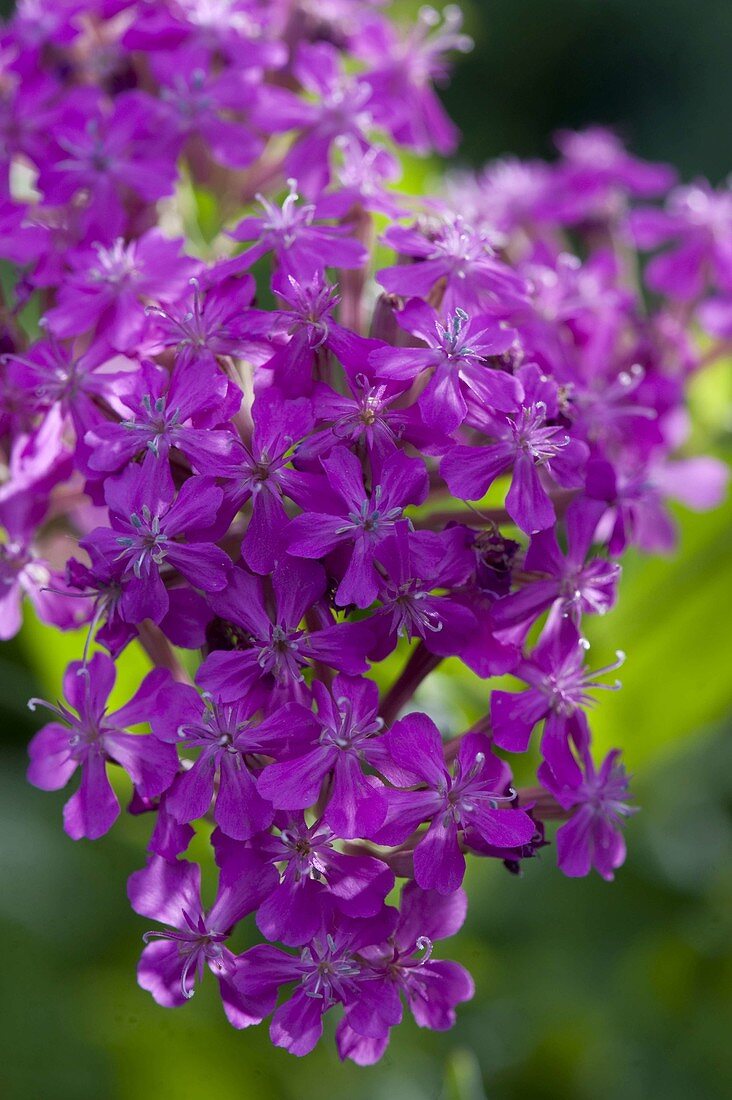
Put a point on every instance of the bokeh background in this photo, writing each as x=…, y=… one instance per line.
x=585, y=991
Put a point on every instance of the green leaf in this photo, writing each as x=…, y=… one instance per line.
x=463, y=1080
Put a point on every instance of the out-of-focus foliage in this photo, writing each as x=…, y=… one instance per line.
x=658, y=70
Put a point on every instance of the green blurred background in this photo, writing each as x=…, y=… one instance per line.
x=585, y=990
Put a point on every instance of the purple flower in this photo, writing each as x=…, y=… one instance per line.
x=456, y=352
x=39, y=461
x=148, y=519
x=525, y=443
x=597, y=174
x=566, y=583
x=261, y=473
x=482, y=650
x=507, y=197
x=697, y=222
x=168, y=839
x=35, y=26
x=715, y=316
x=360, y=179
x=454, y=252
x=559, y=686
x=207, y=323
x=24, y=573
x=28, y=110
x=496, y=557
x=339, y=740
x=72, y=377
x=110, y=154
x=403, y=100
x=199, y=103
x=327, y=972
x=242, y=34
x=101, y=583
x=20, y=242
x=314, y=879
x=359, y=518
x=635, y=500
x=231, y=743
x=373, y=419
x=170, y=892
x=417, y=564
x=598, y=801
x=470, y=798
x=404, y=967
x=313, y=331
x=275, y=649
x=163, y=413
x=87, y=736
x=338, y=108
x=302, y=247
x=106, y=285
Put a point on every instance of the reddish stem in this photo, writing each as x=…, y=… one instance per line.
x=450, y=748
x=417, y=669
x=160, y=651
x=544, y=805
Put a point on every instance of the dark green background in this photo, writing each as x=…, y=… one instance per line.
x=586, y=991
x=657, y=69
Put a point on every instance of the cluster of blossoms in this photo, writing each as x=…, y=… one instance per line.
x=264, y=447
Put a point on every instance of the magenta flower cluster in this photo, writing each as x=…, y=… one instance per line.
x=243, y=430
